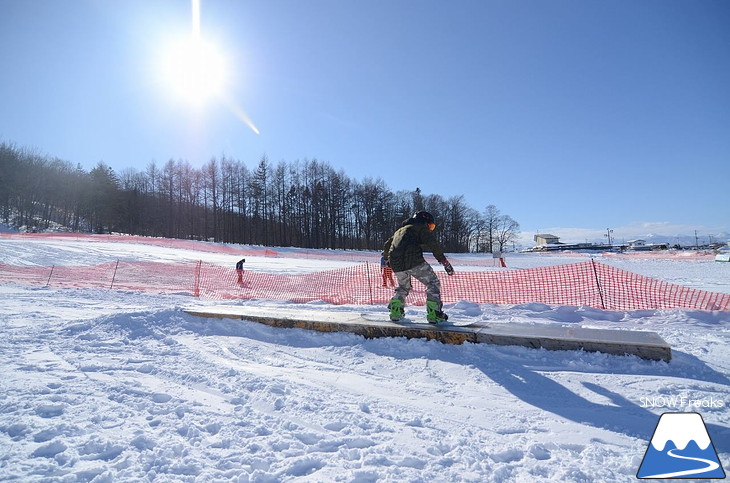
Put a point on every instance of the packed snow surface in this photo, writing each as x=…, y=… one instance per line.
x=110, y=386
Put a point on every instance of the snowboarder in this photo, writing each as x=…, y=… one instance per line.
x=387, y=273
x=404, y=253
x=239, y=270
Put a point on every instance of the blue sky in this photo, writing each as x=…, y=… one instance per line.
x=571, y=116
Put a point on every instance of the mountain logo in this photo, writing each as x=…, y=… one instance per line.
x=680, y=448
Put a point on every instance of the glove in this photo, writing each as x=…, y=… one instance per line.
x=447, y=266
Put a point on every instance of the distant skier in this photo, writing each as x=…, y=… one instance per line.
x=387, y=273
x=239, y=270
x=404, y=253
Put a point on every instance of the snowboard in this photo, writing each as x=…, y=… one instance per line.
x=385, y=317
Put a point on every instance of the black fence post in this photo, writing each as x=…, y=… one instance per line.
x=114, y=276
x=598, y=283
x=50, y=275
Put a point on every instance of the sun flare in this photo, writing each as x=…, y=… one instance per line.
x=195, y=71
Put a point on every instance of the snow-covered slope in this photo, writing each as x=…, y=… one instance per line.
x=110, y=386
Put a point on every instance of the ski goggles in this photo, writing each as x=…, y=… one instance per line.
x=431, y=226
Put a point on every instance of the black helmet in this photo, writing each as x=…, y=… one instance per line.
x=423, y=217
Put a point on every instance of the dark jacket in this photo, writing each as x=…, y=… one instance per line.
x=404, y=250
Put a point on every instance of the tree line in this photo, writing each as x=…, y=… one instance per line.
x=305, y=204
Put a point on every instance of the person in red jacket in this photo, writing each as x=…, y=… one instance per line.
x=387, y=273
x=404, y=254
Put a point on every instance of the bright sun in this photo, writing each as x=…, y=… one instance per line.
x=194, y=70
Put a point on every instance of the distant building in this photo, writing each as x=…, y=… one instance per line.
x=542, y=239
x=545, y=242
x=641, y=245
x=637, y=244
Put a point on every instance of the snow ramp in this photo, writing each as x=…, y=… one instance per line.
x=644, y=344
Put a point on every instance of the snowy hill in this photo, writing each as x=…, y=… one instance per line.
x=118, y=386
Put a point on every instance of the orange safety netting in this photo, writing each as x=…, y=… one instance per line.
x=587, y=283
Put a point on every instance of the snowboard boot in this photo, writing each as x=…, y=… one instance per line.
x=434, y=314
x=396, y=309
